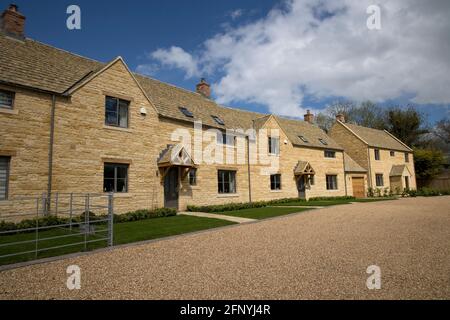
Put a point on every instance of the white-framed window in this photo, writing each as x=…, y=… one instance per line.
x=332, y=182
x=116, y=112
x=115, y=178
x=274, y=146
x=226, y=181
x=6, y=99
x=226, y=139
x=193, y=177
x=4, y=177
x=330, y=154
x=377, y=154
x=406, y=157
x=275, y=182
x=379, y=179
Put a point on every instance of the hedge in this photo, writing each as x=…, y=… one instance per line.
x=426, y=192
x=55, y=221
x=259, y=204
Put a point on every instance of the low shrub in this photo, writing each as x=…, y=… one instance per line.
x=55, y=221
x=332, y=198
x=425, y=192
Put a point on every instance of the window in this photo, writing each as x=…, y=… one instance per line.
x=275, y=182
x=115, y=178
x=218, y=120
x=311, y=180
x=6, y=99
x=227, y=181
x=323, y=142
x=116, y=112
x=330, y=154
x=377, y=154
x=303, y=139
x=226, y=139
x=4, y=177
x=186, y=112
x=274, y=146
x=406, y=157
x=379, y=180
x=193, y=177
x=392, y=153
x=332, y=182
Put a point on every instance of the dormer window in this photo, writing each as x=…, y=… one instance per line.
x=218, y=120
x=186, y=112
x=323, y=142
x=303, y=139
x=6, y=99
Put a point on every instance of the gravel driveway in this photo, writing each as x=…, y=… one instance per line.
x=319, y=254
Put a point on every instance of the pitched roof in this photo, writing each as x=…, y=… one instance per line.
x=296, y=128
x=33, y=64
x=351, y=165
x=36, y=65
x=303, y=168
x=378, y=138
x=175, y=155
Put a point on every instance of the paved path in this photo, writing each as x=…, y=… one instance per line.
x=319, y=254
x=303, y=207
x=217, y=216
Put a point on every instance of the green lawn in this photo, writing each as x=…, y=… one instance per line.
x=123, y=233
x=327, y=203
x=262, y=213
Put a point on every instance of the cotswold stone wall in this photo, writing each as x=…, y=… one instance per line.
x=83, y=144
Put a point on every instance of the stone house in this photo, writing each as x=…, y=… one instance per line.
x=69, y=124
x=388, y=161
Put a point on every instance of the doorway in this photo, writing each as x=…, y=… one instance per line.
x=301, y=186
x=171, y=192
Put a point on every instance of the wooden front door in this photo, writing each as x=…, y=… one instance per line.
x=171, y=191
x=358, y=188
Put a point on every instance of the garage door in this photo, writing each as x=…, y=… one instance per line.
x=358, y=187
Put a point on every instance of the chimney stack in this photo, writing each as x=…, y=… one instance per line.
x=13, y=22
x=204, y=88
x=340, y=117
x=309, y=117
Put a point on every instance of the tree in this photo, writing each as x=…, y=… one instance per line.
x=428, y=163
x=442, y=130
x=405, y=124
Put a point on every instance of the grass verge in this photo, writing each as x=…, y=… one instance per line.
x=262, y=213
x=124, y=233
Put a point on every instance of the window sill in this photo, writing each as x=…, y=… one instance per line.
x=276, y=191
x=9, y=111
x=117, y=129
x=229, y=195
x=123, y=195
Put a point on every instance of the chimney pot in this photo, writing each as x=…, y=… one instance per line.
x=309, y=117
x=13, y=22
x=340, y=117
x=204, y=88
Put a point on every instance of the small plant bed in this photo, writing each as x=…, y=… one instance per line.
x=125, y=232
x=263, y=213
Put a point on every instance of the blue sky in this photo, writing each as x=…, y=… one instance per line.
x=198, y=29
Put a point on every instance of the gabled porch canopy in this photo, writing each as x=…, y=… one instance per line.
x=400, y=170
x=175, y=156
x=304, y=168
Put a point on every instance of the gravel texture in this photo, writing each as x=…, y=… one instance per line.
x=319, y=254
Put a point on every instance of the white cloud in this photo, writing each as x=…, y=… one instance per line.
x=324, y=49
x=176, y=57
x=236, y=14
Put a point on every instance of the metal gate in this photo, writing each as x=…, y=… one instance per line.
x=44, y=226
